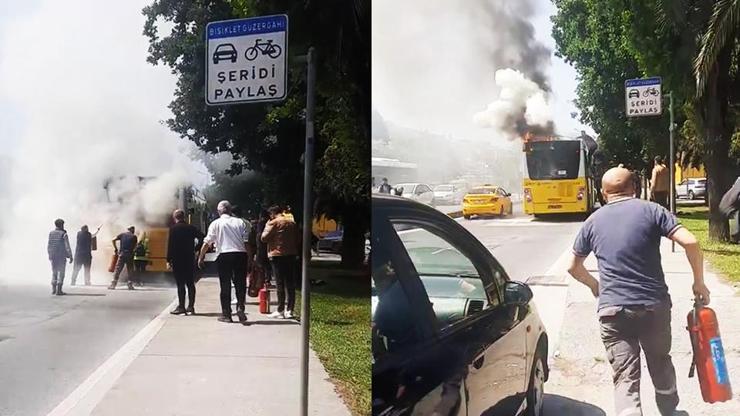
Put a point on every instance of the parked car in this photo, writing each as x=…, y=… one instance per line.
x=448, y=194
x=692, y=188
x=331, y=242
x=451, y=333
x=487, y=200
x=417, y=191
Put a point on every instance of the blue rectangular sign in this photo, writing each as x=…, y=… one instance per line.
x=245, y=27
x=642, y=82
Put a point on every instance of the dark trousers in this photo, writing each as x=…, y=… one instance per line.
x=624, y=335
x=184, y=272
x=58, y=267
x=284, y=270
x=127, y=260
x=232, y=267
x=80, y=262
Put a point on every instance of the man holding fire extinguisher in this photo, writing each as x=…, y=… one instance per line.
x=634, y=307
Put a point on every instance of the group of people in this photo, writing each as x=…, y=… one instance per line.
x=270, y=246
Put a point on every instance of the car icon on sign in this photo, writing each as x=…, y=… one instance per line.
x=634, y=94
x=224, y=52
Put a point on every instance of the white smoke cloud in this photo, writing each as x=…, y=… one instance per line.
x=91, y=109
x=521, y=105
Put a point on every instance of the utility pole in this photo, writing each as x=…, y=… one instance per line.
x=672, y=168
x=308, y=162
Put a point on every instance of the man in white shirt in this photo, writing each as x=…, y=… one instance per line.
x=228, y=234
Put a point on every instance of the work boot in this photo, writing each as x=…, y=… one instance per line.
x=240, y=313
x=178, y=311
x=113, y=285
x=59, y=290
x=53, y=288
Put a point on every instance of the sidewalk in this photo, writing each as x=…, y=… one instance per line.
x=581, y=372
x=195, y=365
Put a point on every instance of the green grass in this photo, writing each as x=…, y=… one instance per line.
x=340, y=333
x=723, y=257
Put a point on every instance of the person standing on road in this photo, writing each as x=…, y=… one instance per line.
x=385, y=187
x=229, y=234
x=59, y=251
x=634, y=307
x=128, y=242
x=181, y=250
x=141, y=259
x=660, y=183
x=83, y=254
x=282, y=238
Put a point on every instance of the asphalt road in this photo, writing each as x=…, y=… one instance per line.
x=50, y=344
x=523, y=245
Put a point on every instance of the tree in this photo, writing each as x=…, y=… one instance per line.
x=593, y=36
x=268, y=138
x=666, y=38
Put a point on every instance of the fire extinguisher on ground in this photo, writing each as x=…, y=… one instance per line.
x=264, y=298
x=709, y=356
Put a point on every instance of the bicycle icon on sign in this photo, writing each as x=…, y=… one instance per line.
x=652, y=91
x=266, y=48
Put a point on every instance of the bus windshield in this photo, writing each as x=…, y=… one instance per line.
x=553, y=160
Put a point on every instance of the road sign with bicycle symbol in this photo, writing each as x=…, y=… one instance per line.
x=643, y=97
x=246, y=60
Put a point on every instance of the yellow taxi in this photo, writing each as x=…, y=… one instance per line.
x=487, y=200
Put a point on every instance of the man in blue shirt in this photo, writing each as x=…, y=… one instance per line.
x=634, y=306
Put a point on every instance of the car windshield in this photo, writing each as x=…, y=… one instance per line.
x=553, y=160
x=444, y=188
x=483, y=191
x=433, y=256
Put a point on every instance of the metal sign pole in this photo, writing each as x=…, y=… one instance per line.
x=308, y=161
x=672, y=171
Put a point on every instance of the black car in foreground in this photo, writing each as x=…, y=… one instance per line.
x=452, y=335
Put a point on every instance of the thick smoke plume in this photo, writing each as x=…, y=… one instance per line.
x=434, y=65
x=521, y=107
x=91, y=108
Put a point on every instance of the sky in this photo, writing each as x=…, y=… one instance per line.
x=432, y=66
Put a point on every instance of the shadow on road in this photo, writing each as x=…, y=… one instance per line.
x=559, y=405
x=561, y=218
x=272, y=322
x=83, y=294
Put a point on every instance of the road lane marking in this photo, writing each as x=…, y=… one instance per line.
x=84, y=399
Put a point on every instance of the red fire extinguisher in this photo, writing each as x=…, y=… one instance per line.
x=113, y=261
x=264, y=297
x=709, y=356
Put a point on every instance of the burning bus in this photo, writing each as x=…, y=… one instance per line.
x=558, y=176
x=148, y=205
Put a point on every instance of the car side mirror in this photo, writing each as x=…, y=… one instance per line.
x=517, y=293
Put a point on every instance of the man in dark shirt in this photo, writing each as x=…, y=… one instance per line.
x=634, y=306
x=83, y=255
x=181, y=250
x=128, y=241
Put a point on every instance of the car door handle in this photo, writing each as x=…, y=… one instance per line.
x=477, y=364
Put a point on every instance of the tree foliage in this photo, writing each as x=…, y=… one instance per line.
x=269, y=138
x=692, y=45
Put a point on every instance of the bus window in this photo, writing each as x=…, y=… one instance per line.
x=553, y=160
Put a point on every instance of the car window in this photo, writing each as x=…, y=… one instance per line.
x=482, y=191
x=393, y=324
x=423, y=189
x=451, y=279
x=683, y=182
